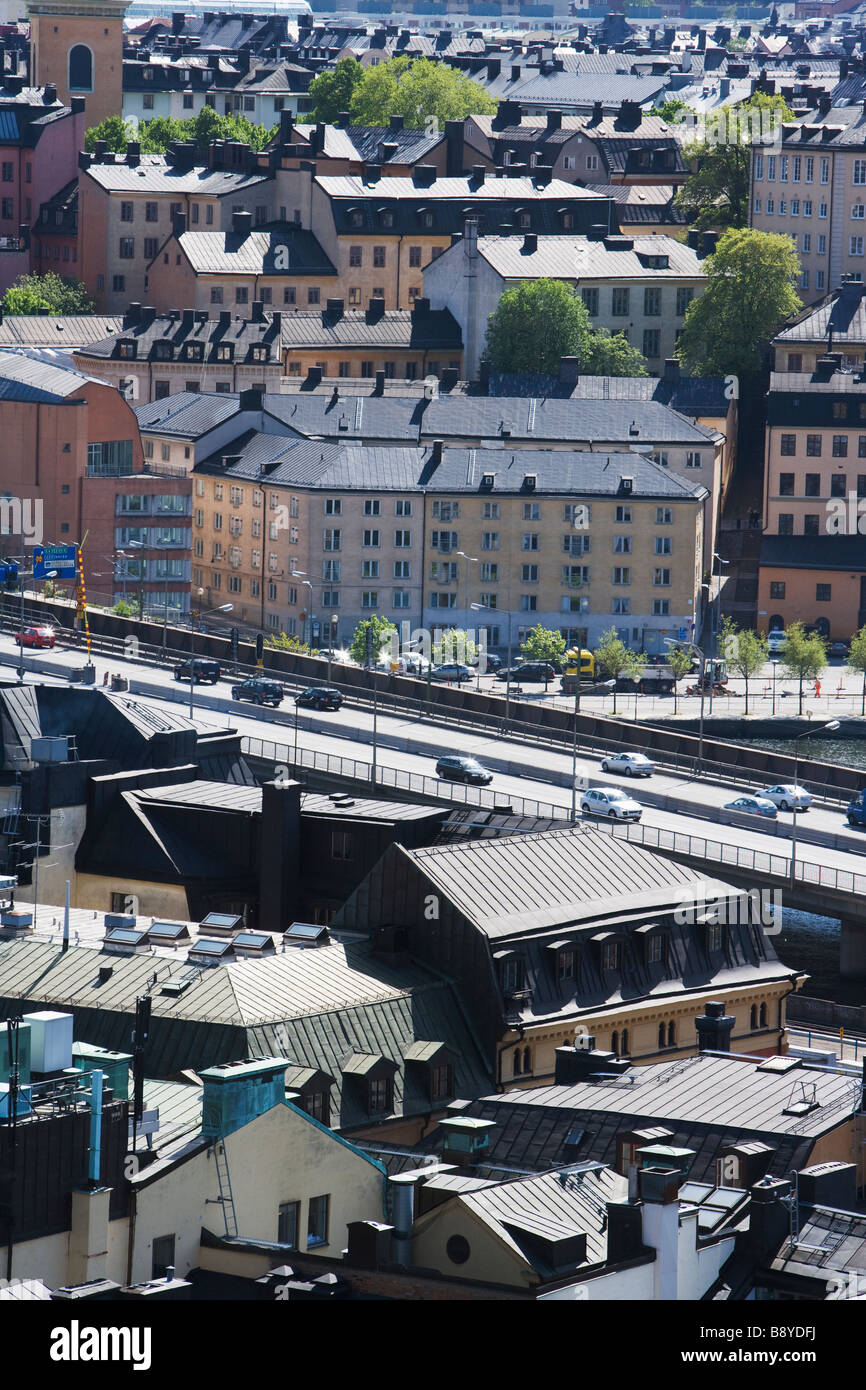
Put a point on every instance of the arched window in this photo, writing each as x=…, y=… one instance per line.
x=661, y=1035
x=672, y=1034
x=80, y=68
x=624, y=1044
x=614, y=1042
x=517, y=1061
x=763, y=1015
x=527, y=1060
x=753, y=1016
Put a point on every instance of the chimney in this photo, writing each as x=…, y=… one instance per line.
x=334, y=308
x=554, y=120
x=313, y=378
x=395, y=123
x=379, y=388
x=178, y=225
x=258, y=308
x=494, y=68
x=133, y=153
x=515, y=72
x=279, y=856
x=624, y=1231
x=424, y=175
x=478, y=172
x=49, y=94
x=530, y=244
x=287, y=124
x=714, y=1028
x=225, y=320
x=133, y=313
x=769, y=1217
x=251, y=399
x=344, y=120
x=372, y=173
x=376, y=309
x=436, y=452
x=77, y=105
x=454, y=138
x=236, y=1092
x=825, y=104
x=369, y=1244
x=569, y=371
x=724, y=87
x=187, y=321
x=402, y=1187
x=673, y=370
x=597, y=113
x=574, y=1065
x=177, y=21
x=242, y=224
x=708, y=243
x=420, y=308
x=693, y=239
x=449, y=378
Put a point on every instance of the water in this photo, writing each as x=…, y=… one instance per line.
x=842, y=752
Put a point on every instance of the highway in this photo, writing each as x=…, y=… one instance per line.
x=672, y=801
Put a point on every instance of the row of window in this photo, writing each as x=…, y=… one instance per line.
x=783, y=208
x=814, y=447
x=800, y=166
x=621, y=301
x=823, y=592
x=838, y=485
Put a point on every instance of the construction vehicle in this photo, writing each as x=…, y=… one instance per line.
x=715, y=679
x=578, y=665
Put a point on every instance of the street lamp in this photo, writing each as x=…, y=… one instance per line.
x=824, y=728
x=140, y=545
x=470, y=560
x=774, y=663
x=308, y=585
x=223, y=608
x=49, y=574
x=485, y=607
x=332, y=623
x=671, y=642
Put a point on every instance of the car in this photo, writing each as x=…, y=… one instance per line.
x=752, y=806
x=530, y=673
x=786, y=796
x=776, y=641
x=456, y=767
x=319, y=697
x=259, y=691
x=629, y=764
x=856, y=813
x=198, y=668
x=36, y=637
x=610, y=802
x=839, y=649
x=492, y=663
x=452, y=671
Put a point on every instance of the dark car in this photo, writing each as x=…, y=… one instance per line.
x=452, y=671
x=839, y=649
x=259, y=691
x=319, y=697
x=454, y=767
x=492, y=663
x=530, y=673
x=197, y=668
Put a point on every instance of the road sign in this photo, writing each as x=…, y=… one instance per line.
x=683, y=634
x=62, y=558
x=234, y=637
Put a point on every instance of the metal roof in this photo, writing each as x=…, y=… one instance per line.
x=463, y=187
x=24, y=378
x=843, y=313
x=256, y=253
x=66, y=331
x=155, y=175
x=579, y=258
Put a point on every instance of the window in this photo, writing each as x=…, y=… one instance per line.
x=242, y=294
x=531, y=511
x=370, y=598
x=333, y=506
x=216, y=294
x=813, y=448
x=622, y=545
x=162, y=1253
x=858, y=171
x=810, y=524
x=313, y=296
x=415, y=257
x=529, y=574
x=858, y=211
x=126, y=248
x=402, y=539
x=684, y=299
x=528, y=603
x=661, y=577
x=652, y=303
x=694, y=459
x=371, y=538
x=590, y=299
x=664, y=516
x=118, y=282
x=661, y=607
x=331, y=539
x=823, y=593
x=813, y=485
x=621, y=575
x=822, y=212
x=619, y=303
x=662, y=545
x=489, y=573
x=441, y=1081
x=317, y=1220
x=840, y=451
x=355, y=256
x=402, y=569
x=610, y=955
x=592, y=161
x=127, y=210
x=651, y=342
x=341, y=844
x=529, y=540
x=81, y=74
x=151, y=247
x=622, y=515
x=489, y=540
x=855, y=246
x=786, y=523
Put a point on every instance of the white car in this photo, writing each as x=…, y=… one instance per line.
x=629, y=764
x=611, y=803
x=786, y=796
x=776, y=641
x=752, y=806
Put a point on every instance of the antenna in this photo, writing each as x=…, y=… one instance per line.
x=139, y=1038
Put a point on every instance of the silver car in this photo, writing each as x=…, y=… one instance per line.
x=611, y=803
x=629, y=764
x=787, y=795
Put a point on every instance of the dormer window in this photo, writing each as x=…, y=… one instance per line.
x=565, y=962
x=387, y=218
x=511, y=972
x=127, y=348
x=610, y=955
x=193, y=352
x=162, y=351
x=224, y=352
x=381, y=1096
x=259, y=354
x=433, y=1063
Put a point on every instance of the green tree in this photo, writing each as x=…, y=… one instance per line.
x=332, y=92
x=155, y=136
x=30, y=293
x=123, y=608
x=856, y=661
x=381, y=629
x=416, y=91
x=614, y=659
x=804, y=657
x=716, y=193
x=671, y=111
x=750, y=291
x=282, y=643
x=680, y=662
x=744, y=651
x=611, y=354
x=114, y=130
x=453, y=644
x=543, y=644
x=534, y=325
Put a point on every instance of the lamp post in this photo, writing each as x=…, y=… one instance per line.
x=332, y=623
x=140, y=545
x=774, y=663
x=485, y=607
x=49, y=574
x=833, y=724
x=308, y=585
x=670, y=642
x=223, y=608
x=470, y=560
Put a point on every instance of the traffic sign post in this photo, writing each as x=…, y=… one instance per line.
x=62, y=559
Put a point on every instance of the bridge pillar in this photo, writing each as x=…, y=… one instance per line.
x=852, y=949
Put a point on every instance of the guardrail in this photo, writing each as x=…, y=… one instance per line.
x=677, y=844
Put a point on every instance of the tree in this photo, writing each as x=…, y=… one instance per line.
x=615, y=659
x=283, y=643
x=750, y=291
x=155, y=136
x=804, y=657
x=716, y=193
x=123, y=608
x=680, y=662
x=857, y=661
x=30, y=293
x=454, y=644
x=114, y=130
x=611, y=354
x=380, y=629
x=332, y=92
x=543, y=644
x=534, y=325
x=671, y=111
x=417, y=91
x=744, y=651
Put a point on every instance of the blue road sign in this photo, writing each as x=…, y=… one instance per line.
x=62, y=558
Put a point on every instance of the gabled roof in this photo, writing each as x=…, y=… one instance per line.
x=569, y=257
x=24, y=378
x=279, y=251
x=153, y=174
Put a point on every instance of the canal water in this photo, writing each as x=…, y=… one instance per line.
x=807, y=942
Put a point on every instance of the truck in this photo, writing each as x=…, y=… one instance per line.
x=856, y=813
x=578, y=665
x=655, y=679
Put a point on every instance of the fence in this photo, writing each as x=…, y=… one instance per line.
x=825, y=1013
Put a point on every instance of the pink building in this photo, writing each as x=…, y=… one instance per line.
x=39, y=143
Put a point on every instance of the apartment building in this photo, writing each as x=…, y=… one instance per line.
x=278, y=264
x=343, y=148
x=835, y=324
x=380, y=232
x=39, y=143
x=627, y=146
x=179, y=86
x=54, y=235
x=638, y=286
x=815, y=487
x=127, y=207
x=812, y=187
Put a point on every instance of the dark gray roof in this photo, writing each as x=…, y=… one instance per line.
x=830, y=552
x=579, y=258
x=65, y=331
x=689, y=395
x=842, y=312
x=192, y=336
x=185, y=413
x=24, y=378
x=155, y=175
